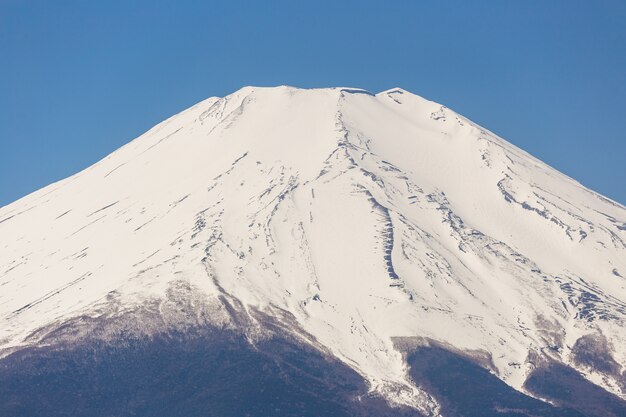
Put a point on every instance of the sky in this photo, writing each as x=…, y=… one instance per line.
x=78, y=79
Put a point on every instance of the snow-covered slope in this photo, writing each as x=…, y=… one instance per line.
x=364, y=222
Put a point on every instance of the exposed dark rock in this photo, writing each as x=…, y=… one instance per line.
x=592, y=351
x=566, y=387
x=466, y=389
x=209, y=372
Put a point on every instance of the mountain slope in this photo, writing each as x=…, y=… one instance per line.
x=364, y=226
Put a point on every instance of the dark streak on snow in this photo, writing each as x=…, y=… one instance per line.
x=13, y=267
x=227, y=172
x=88, y=224
x=356, y=91
x=8, y=218
x=16, y=214
x=63, y=214
x=144, y=224
x=103, y=208
x=159, y=141
x=146, y=258
x=114, y=169
x=180, y=201
x=387, y=233
x=49, y=295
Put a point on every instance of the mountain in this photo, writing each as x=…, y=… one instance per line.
x=321, y=252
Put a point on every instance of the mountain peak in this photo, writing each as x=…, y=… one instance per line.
x=353, y=220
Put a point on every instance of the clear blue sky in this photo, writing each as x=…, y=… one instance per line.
x=78, y=79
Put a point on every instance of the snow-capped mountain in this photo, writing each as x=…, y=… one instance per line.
x=365, y=228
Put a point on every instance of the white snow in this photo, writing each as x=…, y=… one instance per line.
x=367, y=217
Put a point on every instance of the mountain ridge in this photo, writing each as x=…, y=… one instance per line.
x=334, y=211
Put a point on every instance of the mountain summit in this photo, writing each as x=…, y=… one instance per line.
x=317, y=252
